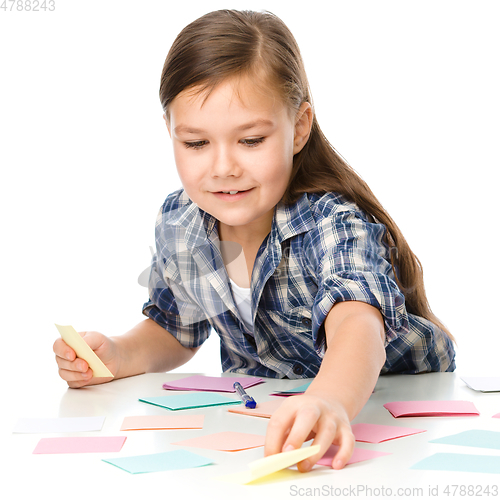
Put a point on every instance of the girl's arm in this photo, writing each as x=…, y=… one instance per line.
x=145, y=348
x=354, y=357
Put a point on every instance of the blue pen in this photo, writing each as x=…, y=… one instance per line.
x=248, y=400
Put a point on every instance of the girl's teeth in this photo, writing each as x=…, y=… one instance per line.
x=230, y=192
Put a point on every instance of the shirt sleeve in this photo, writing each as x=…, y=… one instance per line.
x=170, y=304
x=353, y=263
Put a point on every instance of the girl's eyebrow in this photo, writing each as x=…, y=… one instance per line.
x=257, y=123
x=246, y=126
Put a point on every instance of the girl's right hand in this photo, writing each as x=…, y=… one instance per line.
x=76, y=371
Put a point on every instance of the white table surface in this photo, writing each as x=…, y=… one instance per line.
x=75, y=476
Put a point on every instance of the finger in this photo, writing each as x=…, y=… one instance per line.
x=306, y=422
x=78, y=365
x=326, y=431
x=94, y=340
x=63, y=350
x=277, y=431
x=75, y=379
x=345, y=439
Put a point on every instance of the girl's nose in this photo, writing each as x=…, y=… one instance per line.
x=225, y=164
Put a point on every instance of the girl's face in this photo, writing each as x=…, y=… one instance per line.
x=234, y=152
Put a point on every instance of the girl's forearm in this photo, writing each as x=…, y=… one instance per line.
x=149, y=348
x=354, y=356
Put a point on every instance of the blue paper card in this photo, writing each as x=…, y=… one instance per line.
x=190, y=400
x=169, y=460
x=475, y=437
x=460, y=463
x=296, y=390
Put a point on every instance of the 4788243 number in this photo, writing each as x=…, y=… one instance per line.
x=471, y=490
x=28, y=6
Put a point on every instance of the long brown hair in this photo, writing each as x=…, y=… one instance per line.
x=258, y=45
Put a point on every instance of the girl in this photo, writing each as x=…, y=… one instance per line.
x=274, y=242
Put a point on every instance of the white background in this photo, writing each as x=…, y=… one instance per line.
x=406, y=91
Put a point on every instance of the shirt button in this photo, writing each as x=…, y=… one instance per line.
x=306, y=322
x=298, y=369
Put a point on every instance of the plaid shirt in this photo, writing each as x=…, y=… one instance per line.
x=321, y=250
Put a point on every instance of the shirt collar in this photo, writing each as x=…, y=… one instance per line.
x=196, y=224
x=291, y=220
x=288, y=221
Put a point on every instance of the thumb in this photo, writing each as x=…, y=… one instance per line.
x=93, y=339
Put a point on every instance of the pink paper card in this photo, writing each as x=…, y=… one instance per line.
x=204, y=383
x=358, y=455
x=265, y=409
x=152, y=422
x=431, y=408
x=225, y=441
x=497, y=415
x=375, y=433
x=93, y=444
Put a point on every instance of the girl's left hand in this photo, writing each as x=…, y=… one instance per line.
x=308, y=416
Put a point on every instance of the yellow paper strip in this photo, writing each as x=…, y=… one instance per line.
x=76, y=342
x=269, y=465
x=274, y=463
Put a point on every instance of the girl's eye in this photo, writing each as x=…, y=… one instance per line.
x=253, y=142
x=247, y=142
x=195, y=144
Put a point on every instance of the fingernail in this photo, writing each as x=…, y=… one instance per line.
x=338, y=464
x=306, y=465
x=289, y=448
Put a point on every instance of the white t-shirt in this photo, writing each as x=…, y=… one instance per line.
x=243, y=300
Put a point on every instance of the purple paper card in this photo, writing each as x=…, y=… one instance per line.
x=204, y=383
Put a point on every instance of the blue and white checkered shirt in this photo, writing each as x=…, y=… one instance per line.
x=321, y=250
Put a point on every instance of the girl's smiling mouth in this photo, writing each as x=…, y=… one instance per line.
x=231, y=195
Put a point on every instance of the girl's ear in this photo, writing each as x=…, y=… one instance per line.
x=303, y=124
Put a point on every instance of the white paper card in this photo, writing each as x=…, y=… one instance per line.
x=483, y=384
x=62, y=424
